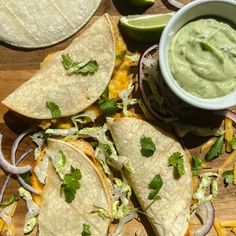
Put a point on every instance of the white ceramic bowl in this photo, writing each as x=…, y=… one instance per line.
x=225, y=9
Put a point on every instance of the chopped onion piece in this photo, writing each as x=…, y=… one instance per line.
x=13, y=169
x=206, y=212
x=176, y=4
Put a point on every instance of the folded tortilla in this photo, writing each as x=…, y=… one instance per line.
x=56, y=216
x=170, y=215
x=73, y=93
x=33, y=24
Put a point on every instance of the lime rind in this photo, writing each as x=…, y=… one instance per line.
x=140, y=3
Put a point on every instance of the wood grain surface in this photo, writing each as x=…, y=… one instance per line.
x=18, y=65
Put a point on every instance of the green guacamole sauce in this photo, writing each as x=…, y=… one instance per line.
x=202, y=58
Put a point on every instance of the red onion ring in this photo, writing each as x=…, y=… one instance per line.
x=176, y=4
x=152, y=112
x=9, y=175
x=13, y=169
x=206, y=212
x=228, y=113
x=13, y=160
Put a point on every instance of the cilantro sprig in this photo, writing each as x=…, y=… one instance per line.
x=155, y=185
x=147, y=146
x=54, y=108
x=176, y=160
x=106, y=105
x=71, y=183
x=216, y=149
x=86, y=230
x=76, y=67
x=228, y=177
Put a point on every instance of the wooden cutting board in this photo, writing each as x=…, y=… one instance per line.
x=18, y=65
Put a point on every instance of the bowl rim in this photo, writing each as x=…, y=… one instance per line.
x=218, y=103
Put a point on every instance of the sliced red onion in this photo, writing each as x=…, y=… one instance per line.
x=228, y=113
x=206, y=212
x=13, y=159
x=16, y=144
x=176, y=4
x=123, y=221
x=13, y=169
x=152, y=112
x=9, y=175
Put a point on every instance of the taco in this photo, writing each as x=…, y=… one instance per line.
x=69, y=93
x=169, y=214
x=34, y=24
x=57, y=216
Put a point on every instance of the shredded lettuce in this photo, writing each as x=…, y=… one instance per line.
x=105, y=152
x=207, y=183
x=61, y=132
x=41, y=169
x=58, y=161
x=33, y=210
x=121, y=197
x=39, y=139
x=126, y=101
x=79, y=118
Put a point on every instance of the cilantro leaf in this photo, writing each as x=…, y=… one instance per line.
x=75, y=67
x=71, y=184
x=228, y=177
x=26, y=177
x=197, y=165
x=54, y=108
x=155, y=184
x=176, y=160
x=216, y=149
x=108, y=106
x=147, y=146
x=86, y=230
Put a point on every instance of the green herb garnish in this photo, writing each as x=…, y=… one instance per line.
x=54, y=108
x=197, y=162
x=108, y=106
x=86, y=230
x=228, y=177
x=75, y=67
x=12, y=199
x=71, y=184
x=176, y=160
x=26, y=177
x=147, y=146
x=155, y=185
x=216, y=149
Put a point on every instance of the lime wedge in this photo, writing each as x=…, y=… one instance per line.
x=140, y=3
x=144, y=28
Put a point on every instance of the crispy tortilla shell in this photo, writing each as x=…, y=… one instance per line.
x=74, y=93
x=59, y=218
x=34, y=24
x=170, y=215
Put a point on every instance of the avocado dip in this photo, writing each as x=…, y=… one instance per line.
x=202, y=58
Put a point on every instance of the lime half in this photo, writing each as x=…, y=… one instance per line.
x=140, y=3
x=144, y=28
